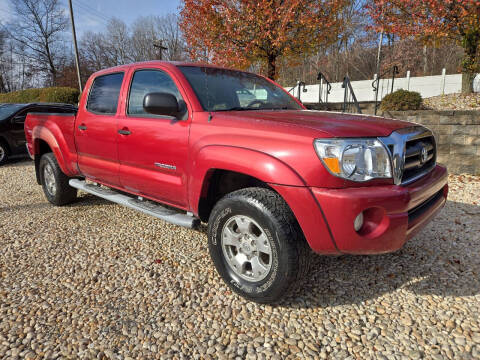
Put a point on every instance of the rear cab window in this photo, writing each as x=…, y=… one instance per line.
x=104, y=93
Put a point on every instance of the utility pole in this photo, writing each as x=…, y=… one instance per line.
x=158, y=44
x=74, y=34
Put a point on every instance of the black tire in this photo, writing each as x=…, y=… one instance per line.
x=289, y=250
x=63, y=193
x=4, y=152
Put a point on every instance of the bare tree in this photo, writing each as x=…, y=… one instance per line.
x=146, y=30
x=4, y=66
x=170, y=33
x=15, y=70
x=348, y=55
x=93, y=48
x=354, y=54
x=39, y=26
x=107, y=49
x=120, y=44
x=144, y=33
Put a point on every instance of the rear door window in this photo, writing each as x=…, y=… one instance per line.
x=103, y=97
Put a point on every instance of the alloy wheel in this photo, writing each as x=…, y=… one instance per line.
x=246, y=248
x=49, y=178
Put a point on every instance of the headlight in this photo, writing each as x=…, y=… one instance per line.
x=354, y=159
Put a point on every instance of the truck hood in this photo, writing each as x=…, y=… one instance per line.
x=329, y=123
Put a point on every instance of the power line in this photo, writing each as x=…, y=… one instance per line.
x=84, y=9
x=84, y=15
x=87, y=11
x=91, y=9
x=89, y=15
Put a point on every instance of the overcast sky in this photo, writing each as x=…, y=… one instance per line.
x=94, y=14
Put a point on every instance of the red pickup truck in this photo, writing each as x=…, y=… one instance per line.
x=189, y=143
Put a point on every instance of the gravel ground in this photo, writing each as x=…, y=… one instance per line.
x=98, y=280
x=453, y=102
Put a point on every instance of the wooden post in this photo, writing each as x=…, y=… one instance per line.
x=320, y=91
x=444, y=74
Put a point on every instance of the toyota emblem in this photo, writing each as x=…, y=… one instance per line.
x=423, y=155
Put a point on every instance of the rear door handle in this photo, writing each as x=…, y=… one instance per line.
x=82, y=127
x=124, y=132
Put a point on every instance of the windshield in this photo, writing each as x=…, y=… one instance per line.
x=7, y=110
x=224, y=90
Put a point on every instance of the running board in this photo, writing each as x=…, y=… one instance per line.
x=145, y=206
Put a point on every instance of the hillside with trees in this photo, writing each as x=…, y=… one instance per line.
x=287, y=40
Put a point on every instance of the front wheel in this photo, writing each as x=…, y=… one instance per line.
x=256, y=244
x=55, y=182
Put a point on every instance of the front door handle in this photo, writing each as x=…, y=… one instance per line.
x=82, y=127
x=124, y=132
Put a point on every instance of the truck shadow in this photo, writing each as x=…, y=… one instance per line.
x=442, y=260
x=19, y=160
x=87, y=200
x=84, y=200
x=31, y=207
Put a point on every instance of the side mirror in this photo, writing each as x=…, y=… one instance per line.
x=161, y=104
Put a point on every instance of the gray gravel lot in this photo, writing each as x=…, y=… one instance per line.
x=95, y=280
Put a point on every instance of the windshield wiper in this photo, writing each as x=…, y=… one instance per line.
x=278, y=108
x=236, y=108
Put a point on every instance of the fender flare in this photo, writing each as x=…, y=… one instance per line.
x=257, y=164
x=42, y=133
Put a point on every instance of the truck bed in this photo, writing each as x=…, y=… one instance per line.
x=60, y=128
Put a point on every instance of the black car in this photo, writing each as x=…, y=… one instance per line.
x=12, y=118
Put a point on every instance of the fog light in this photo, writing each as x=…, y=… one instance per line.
x=358, y=222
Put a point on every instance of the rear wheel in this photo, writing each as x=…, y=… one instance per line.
x=4, y=152
x=257, y=245
x=55, y=182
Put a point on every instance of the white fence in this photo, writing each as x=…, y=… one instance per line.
x=427, y=86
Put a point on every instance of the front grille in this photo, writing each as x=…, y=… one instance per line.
x=412, y=153
x=420, y=158
x=421, y=209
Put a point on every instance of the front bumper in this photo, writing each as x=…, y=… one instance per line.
x=393, y=214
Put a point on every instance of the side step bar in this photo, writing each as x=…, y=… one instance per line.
x=147, y=207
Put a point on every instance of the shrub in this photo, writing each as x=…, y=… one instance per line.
x=52, y=94
x=401, y=100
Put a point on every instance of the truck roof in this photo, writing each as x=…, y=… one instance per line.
x=158, y=62
x=39, y=103
x=44, y=104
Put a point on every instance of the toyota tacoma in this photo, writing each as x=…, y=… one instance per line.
x=190, y=143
